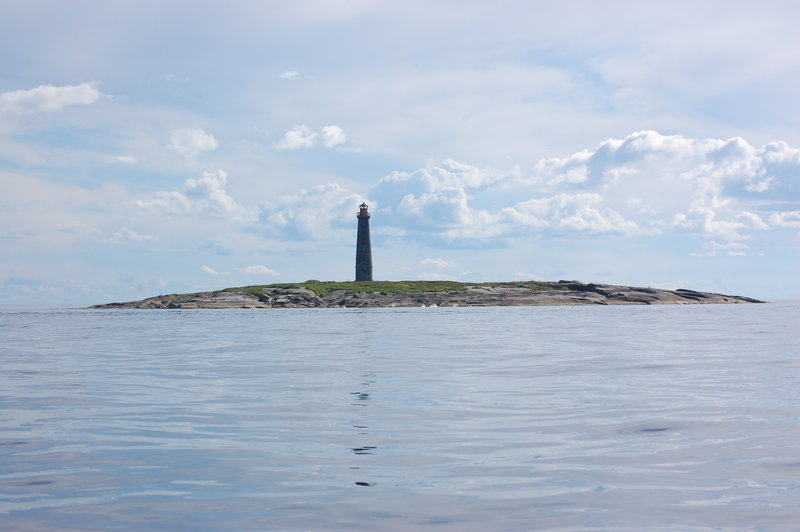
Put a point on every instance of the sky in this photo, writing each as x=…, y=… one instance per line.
x=157, y=147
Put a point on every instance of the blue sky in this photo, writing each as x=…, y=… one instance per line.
x=158, y=147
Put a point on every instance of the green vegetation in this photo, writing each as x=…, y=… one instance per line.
x=323, y=288
x=538, y=286
x=384, y=287
x=253, y=290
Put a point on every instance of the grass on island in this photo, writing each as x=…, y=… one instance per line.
x=323, y=288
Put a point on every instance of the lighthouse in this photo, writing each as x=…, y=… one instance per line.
x=363, y=246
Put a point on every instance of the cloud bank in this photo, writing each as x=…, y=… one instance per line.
x=721, y=192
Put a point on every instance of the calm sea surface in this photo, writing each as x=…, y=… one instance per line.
x=521, y=418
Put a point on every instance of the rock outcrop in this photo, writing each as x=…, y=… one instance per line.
x=461, y=295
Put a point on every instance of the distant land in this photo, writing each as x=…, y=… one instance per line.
x=332, y=294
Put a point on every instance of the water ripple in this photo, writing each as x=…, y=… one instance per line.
x=398, y=419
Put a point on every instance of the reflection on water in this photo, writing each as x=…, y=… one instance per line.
x=362, y=398
x=559, y=418
x=367, y=449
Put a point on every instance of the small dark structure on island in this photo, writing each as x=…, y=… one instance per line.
x=363, y=246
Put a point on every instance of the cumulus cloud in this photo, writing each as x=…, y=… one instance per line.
x=290, y=74
x=710, y=167
x=448, y=174
x=704, y=220
x=191, y=142
x=435, y=198
x=303, y=137
x=786, y=219
x=437, y=201
x=206, y=195
x=710, y=187
x=330, y=136
x=318, y=213
x=259, y=269
x=296, y=138
x=570, y=213
x=48, y=98
x=721, y=191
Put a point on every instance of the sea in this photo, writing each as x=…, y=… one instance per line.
x=662, y=417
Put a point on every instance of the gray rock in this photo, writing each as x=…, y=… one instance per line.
x=510, y=294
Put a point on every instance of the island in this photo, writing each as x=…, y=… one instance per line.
x=333, y=294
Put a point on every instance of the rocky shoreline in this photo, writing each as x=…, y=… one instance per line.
x=458, y=295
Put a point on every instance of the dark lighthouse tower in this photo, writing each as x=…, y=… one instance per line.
x=363, y=246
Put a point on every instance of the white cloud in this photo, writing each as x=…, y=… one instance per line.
x=704, y=221
x=439, y=263
x=290, y=74
x=786, y=219
x=136, y=237
x=526, y=276
x=48, y=98
x=130, y=236
x=709, y=166
x=571, y=212
x=437, y=201
x=259, y=269
x=753, y=220
x=191, y=142
x=325, y=212
x=211, y=271
x=734, y=249
x=447, y=175
x=330, y=136
x=644, y=184
x=206, y=195
x=125, y=159
x=298, y=137
x=711, y=187
x=302, y=137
